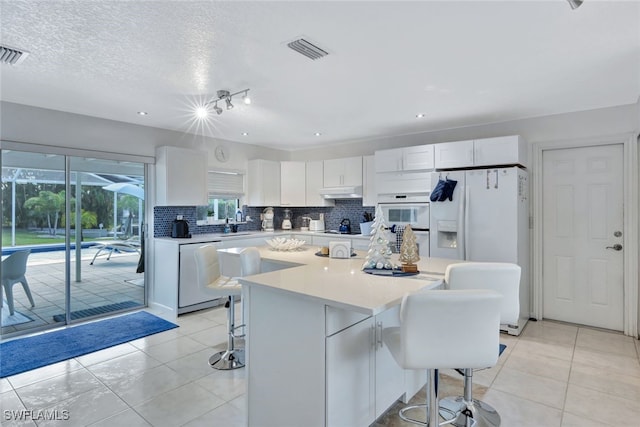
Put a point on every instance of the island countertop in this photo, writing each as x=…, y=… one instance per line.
x=340, y=283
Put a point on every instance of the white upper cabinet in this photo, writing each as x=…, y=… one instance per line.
x=293, y=186
x=502, y=150
x=420, y=157
x=389, y=160
x=314, y=182
x=458, y=154
x=369, y=193
x=343, y=172
x=181, y=177
x=263, y=183
x=498, y=151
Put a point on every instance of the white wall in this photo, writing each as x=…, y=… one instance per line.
x=584, y=124
x=22, y=123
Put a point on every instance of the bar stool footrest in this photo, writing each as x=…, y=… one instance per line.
x=227, y=360
x=484, y=414
x=446, y=414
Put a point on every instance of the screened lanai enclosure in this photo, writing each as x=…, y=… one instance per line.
x=78, y=220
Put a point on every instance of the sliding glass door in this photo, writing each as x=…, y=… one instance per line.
x=78, y=223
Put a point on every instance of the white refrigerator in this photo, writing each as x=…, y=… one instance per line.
x=486, y=220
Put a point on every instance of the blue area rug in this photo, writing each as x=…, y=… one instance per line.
x=25, y=354
x=94, y=311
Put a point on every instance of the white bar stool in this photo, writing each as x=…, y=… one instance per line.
x=500, y=277
x=444, y=329
x=210, y=280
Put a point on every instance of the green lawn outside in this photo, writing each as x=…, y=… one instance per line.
x=30, y=237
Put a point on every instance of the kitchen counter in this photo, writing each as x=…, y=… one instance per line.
x=338, y=282
x=314, y=338
x=216, y=237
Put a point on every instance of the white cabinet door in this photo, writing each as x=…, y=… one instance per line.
x=263, y=183
x=181, y=177
x=293, y=184
x=189, y=293
x=349, y=376
x=369, y=193
x=503, y=150
x=333, y=172
x=456, y=154
x=314, y=182
x=389, y=160
x=389, y=375
x=360, y=243
x=353, y=171
x=343, y=172
x=420, y=157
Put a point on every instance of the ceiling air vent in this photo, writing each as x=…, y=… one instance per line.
x=12, y=56
x=307, y=49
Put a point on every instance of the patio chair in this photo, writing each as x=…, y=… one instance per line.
x=14, y=268
x=111, y=246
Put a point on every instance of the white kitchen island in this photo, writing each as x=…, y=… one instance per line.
x=315, y=354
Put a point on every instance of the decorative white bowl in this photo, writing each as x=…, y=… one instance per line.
x=284, y=244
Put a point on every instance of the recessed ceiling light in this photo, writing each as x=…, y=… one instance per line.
x=419, y=115
x=245, y=133
x=317, y=134
x=142, y=113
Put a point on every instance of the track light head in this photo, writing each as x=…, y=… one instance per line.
x=217, y=109
x=229, y=104
x=246, y=98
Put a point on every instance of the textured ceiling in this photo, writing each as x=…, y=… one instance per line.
x=459, y=63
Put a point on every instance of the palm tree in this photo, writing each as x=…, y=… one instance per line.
x=47, y=205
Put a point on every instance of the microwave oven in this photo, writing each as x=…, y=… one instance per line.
x=414, y=214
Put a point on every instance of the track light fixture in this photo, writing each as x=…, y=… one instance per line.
x=222, y=95
x=575, y=3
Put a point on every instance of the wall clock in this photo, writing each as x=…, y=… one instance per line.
x=222, y=153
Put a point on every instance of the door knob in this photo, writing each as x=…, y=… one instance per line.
x=616, y=247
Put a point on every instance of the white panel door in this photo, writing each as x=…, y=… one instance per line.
x=582, y=224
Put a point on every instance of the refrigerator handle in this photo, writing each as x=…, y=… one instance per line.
x=461, y=225
x=467, y=207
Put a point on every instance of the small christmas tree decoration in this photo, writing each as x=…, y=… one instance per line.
x=409, y=251
x=379, y=254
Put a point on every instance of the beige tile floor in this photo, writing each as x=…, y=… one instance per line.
x=552, y=375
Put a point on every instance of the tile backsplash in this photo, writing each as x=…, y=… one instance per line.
x=351, y=209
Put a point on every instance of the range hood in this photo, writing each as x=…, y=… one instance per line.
x=349, y=192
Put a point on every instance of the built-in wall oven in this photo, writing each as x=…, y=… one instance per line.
x=416, y=214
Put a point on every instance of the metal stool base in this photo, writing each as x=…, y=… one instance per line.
x=227, y=360
x=449, y=416
x=482, y=413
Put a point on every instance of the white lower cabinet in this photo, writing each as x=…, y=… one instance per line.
x=363, y=378
x=360, y=243
x=389, y=384
x=350, y=376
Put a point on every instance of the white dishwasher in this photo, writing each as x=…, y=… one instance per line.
x=189, y=293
